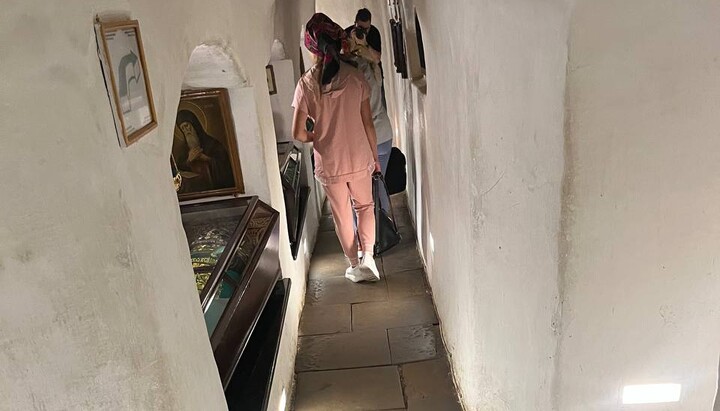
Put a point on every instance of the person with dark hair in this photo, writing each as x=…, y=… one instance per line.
x=363, y=26
x=364, y=30
x=332, y=110
x=360, y=50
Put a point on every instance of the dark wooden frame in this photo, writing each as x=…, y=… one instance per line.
x=229, y=125
x=105, y=28
x=270, y=71
x=258, y=279
x=250, y=386
x=296, y=196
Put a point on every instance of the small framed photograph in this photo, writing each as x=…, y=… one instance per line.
x=272, y=86
x=126, y=78
x=205, y=160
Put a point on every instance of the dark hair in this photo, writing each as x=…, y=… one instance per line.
x=331, y=47
x=363, y=15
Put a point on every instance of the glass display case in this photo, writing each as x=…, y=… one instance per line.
x=250, y=386
x=234, y=251
x=296, y=194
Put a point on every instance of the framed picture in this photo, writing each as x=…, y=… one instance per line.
x=126, y=78
x=205, y=160
x=272, y=86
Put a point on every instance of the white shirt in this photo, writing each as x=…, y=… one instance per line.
x=381, y=121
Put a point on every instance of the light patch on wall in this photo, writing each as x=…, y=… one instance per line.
x=283, y=401
x=431, y=243
x=651, y=393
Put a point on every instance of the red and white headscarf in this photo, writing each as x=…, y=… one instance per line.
x=321, y=24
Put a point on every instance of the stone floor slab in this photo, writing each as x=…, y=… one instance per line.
x=402, y=217
x=403, y=257
x=376, y=388
x=393, y=314
x=406, y=284
x=327, y=266
x=340, y=290
x=428, y=380
x=407, y=234
x=327, y=243
x=415, y=343
x=325, y=319
x=447, y=403
x=399, y=200
x=338, y=351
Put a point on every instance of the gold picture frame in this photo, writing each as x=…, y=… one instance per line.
x=126, y=77
x=205, y=157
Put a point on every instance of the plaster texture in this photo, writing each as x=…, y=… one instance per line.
x=642, y=229
x=487, y=146
x=485, y=167
x=282, y=111
x=98, y=306
x=290, y=18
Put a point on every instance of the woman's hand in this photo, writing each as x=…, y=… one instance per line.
x=299, y=128
x=378, y=168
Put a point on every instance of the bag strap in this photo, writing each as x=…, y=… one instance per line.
x=376, y=198
x=379, y=176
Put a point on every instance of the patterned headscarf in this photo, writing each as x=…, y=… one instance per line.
x=321, y=24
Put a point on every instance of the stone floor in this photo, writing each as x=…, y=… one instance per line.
x=373, y=346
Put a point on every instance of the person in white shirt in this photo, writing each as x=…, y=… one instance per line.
x=367, y=64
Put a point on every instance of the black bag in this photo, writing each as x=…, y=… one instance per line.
x=395, y=176
x=386, y=231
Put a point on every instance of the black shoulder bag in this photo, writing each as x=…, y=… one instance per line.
x=386, y=231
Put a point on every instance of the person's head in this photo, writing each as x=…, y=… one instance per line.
x=325, y=39
x=363, y=19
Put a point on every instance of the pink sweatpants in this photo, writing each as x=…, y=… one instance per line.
x=343, y=197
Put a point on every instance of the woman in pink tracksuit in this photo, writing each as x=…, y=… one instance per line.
x=332, y=110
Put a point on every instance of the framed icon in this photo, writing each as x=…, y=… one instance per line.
x=205, y=160
x=126, y=78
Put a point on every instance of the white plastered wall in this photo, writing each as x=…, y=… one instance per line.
x=484, y=150
x=636, y=261
x=643, y=228
x=487, y=144
x=98, y=307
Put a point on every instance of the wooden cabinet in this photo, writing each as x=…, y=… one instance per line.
x=234, y=250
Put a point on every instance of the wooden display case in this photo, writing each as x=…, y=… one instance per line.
x=234, y=250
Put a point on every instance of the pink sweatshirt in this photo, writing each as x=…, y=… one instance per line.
x=342, y=149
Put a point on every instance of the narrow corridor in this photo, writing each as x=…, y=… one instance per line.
x=371, y=346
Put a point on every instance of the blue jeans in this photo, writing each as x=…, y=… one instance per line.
x=384, y=158
x=384, y=150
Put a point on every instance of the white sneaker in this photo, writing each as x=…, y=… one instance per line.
x=359, y=273
x=369, y=262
